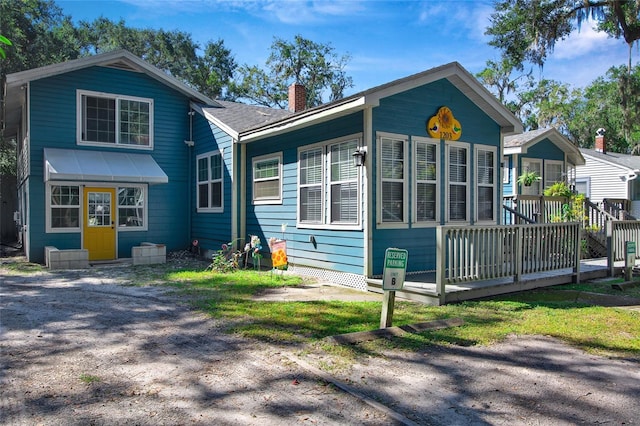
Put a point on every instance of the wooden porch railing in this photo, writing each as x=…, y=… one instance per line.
x=536, y=208
x=618, y=208
x=477, y=253
x=618, y=233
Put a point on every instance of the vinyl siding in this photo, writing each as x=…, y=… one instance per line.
x=605, y=179
x=211, y=229
x=338, y=250
x=53, y=124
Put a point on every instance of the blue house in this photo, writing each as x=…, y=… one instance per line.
x=102, y=159
x=546, y=152
x=383, y=168
x=113, y=152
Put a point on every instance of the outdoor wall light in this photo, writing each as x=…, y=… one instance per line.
x=359, y=156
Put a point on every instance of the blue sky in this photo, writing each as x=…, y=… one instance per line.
x=385, y=39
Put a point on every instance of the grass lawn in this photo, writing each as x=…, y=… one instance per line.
x=552, y=312
x=596, y=329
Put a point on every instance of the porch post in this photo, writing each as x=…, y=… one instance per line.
x=441, y=258
x=578, y=245
x=518, y=243
x=608, y=226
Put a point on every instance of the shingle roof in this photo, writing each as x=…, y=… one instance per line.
x=240, y=117
x=624, y=160
x=523, y=138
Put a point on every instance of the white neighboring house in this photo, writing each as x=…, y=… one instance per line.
x=609, y=175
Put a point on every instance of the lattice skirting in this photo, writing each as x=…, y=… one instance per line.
x=340, y=278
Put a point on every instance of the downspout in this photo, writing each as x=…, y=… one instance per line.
x=190, y=143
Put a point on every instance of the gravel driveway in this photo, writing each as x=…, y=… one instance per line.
x=77, y=348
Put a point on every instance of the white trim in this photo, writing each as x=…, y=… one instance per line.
x=145, y=209
x=563, y=170
x=209, y=181
x=49, y=229
x=368, y=193
x=496, y=176
x=264, y=158
x=325, y=186
x=469, y=165
x=587, y=181
x=214, y=120
x=415, y=223
x=405, y=181
x=117, y=98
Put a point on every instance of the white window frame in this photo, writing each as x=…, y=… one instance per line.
x=263, y=159
x=325, y=186
x=536, y=187
x=467, y=184
x=80, y=113
x=50, y=207
x=415, y=141
x=586, y=180
x=547, y=164
x=478, y=184
x=209, y=182
x=380, y=224
x=145, y=210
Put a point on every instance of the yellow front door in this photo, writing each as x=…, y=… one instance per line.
x=99, y=223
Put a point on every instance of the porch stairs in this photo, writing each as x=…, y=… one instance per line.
x=540, y=209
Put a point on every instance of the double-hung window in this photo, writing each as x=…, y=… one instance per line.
x=209, y=182
x=553, y=172
x=532, y=165
x=131, y=208
x=486, y=169
x=458, y=182
x=267, y=179
x=328, y=192
x=63, y=208
x=107, y=119
x=426, y=181
x=392, y=182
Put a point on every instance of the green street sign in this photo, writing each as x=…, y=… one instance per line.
x=395, y=268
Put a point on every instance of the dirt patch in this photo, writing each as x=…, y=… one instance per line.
x=78, y=347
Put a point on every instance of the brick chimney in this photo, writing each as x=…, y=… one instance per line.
x=601, y=143
x=297, y=97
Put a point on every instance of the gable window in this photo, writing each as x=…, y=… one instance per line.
x=553, y=172
x=458, y=182
x=392, y=185
x=131, y=208
x=485, y=183
x=107, y=119
x=209, y=182
x=328, y=184
x=267, y=181
x=63, y=208
x=426, y=154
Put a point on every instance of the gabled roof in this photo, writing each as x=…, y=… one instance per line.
x=519, y=144
x=454, y=72
x=234, y=117
x=627, y=161
x=121, y=59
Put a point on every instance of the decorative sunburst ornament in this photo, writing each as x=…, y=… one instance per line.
x=443, y=125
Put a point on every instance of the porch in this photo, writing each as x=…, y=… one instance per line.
x=480, y=261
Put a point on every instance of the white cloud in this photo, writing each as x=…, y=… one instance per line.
x=586, y=41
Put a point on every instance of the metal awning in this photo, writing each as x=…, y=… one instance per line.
x=101, y=166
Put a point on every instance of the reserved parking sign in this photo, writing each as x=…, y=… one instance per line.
x=395, y=268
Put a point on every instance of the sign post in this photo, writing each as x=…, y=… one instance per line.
x=395, y=268
x=630, y=259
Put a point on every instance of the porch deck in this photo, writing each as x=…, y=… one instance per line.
x=422, y=287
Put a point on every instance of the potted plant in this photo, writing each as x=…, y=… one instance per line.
x=528, y=177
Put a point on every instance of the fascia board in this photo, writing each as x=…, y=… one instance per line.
x=222, y=126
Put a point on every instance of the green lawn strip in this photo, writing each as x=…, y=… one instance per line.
x=610, y=331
